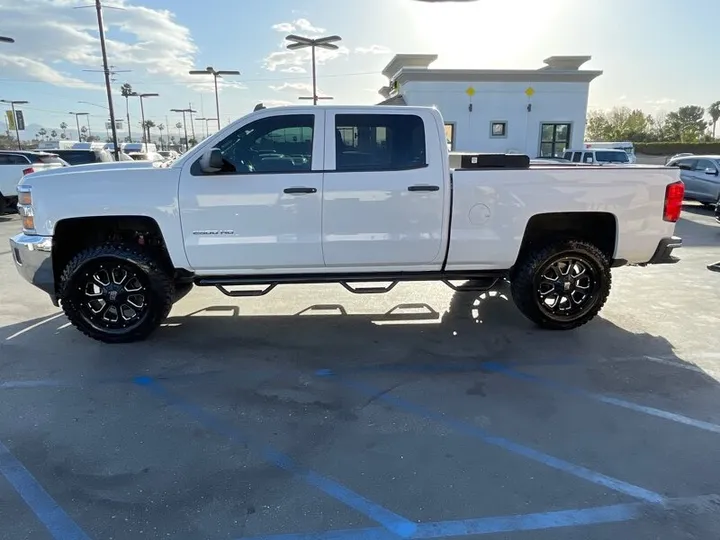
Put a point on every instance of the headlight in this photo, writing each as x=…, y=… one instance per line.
x=25, y=209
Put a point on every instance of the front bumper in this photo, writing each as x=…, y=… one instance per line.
x=33, y=260
x=663, y=253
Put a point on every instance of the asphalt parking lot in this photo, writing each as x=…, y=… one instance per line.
x=313, y=413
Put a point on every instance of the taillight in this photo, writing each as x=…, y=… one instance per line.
x=28, y=170
x=674, y=194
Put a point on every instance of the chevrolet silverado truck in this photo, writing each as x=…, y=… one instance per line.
x=349, y=195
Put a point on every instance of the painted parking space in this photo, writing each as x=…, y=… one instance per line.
x=315, y=414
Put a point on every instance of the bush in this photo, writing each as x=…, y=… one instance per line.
x=672, y=148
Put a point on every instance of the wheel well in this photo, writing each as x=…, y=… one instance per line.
x=598, y=228
x=75, y=234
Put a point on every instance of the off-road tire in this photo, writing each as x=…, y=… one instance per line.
x=160, y=290
x=525, y=275
x=3, y=205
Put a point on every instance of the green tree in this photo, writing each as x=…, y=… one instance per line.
x=687, y=124
x=619, y=124
x=714, y=112
x=83, y=133
x=42, y=132
x=146, y=129
x=63, y=126
x=53, y=134
x=161, y=128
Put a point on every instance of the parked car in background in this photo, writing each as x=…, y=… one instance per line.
x=169, y=154
x=16, y=164
x=672, y=158
x=80, y=156
x=701, y=175
x=625, y=146
x=146, y=156
x=592, y=156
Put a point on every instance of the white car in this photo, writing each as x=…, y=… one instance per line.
x=337, y=195
x=596, y=156
x=146, y=156
x=14, y=165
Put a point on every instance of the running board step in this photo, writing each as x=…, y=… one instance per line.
x=245, y=293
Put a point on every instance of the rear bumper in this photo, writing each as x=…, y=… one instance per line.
x=33, y=260
x=663, y=253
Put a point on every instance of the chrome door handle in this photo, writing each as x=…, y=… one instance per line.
x=423, y=188
x=299, y=190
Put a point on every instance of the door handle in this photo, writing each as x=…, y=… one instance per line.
x=299, y=190
x=423, y=188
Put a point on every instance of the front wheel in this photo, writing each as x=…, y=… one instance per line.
x=115, y=293
x=562, y=285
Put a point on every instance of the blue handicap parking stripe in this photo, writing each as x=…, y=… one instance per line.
x=576, y=517
x=554, y=385
x=49, y=512
x=392, y=522
x=506, y=444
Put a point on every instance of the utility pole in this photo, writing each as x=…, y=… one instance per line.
x=300, y=42
x=192, y=123
x=108, y=88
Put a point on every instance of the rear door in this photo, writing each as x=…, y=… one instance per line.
x=687, y=175
x=705, y=177
x=383, y=195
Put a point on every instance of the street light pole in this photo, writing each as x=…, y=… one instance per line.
x=215, y=73
x=145, y=131
x=17, y=128
x=300, y=42
x=77, y=122
x=106, y=69
x=5, y=39
x=183, y=111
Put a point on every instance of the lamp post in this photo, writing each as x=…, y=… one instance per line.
x=299, y=42
x=206, y=120
x=146, y=133
x=215, y=73
x=77, y=121
x=12, y=106
x=183, y=111
x=4, y=39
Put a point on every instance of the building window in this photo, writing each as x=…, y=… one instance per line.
x=554, y=139
x=450, y=136
x=498, y=129
x=379, y=142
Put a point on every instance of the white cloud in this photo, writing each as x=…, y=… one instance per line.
x=373, y=49
x=294, y=69
x=661, y=101
x=275, y=102
x=304, y=87
x=147, y=41
x=294, y=61
x=299, y=25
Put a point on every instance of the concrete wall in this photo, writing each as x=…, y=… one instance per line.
x=557, y=102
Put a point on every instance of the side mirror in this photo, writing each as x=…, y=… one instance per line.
x=211, y=161
x=711, y=171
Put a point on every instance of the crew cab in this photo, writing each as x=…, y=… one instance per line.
x=347, y=195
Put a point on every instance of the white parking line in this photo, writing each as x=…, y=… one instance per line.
x=33, y=326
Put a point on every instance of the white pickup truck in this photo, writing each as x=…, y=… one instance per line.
x=336, y=195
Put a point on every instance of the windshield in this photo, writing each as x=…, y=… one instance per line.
x=611, y=156
x=49, y=159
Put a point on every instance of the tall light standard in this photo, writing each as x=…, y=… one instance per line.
x=77, y=121
x=299, y=42
x=183, y=111
x=206, y=120
x=215, y=73
x=142, y=113
x=12, y=106
x=4, y=39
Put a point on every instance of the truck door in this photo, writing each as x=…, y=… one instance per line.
x=262, y=210
x=384, y=191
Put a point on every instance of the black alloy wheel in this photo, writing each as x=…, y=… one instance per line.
x=566, y=287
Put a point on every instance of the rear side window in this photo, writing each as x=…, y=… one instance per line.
x=587, y=157
x=577, y=157
x=611, y=157
x=379, y=142
x=77, y=157
x=13, y=159
x=47, y=160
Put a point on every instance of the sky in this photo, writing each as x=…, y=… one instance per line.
x=653, y=54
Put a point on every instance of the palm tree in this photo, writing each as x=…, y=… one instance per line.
x=714, y=112
x=83, y=133
x=146, y=129
x=63, y=126
x=42, y=132
x=63, y=136
x=53, y=134
x=127, y=91
x=161, y=128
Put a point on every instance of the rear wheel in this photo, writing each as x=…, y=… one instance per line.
x=115, y=293
x=562, y=285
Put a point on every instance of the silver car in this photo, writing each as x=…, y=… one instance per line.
x=701, y=176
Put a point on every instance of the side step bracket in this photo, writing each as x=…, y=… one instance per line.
x=368, y=290
x=246, y=293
